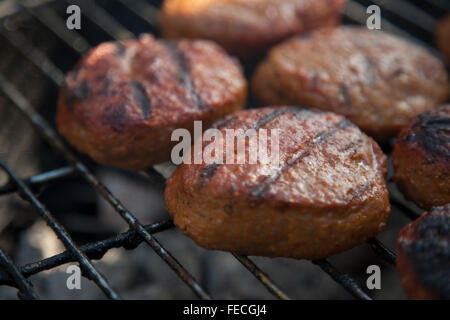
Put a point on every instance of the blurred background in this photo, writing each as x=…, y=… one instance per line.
x=30, y=36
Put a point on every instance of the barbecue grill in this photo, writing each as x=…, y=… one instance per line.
x=415, y=20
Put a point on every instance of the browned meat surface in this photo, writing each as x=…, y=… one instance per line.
x=327, y=194
x=421, y=158
x=378, y=81
x=123, y=100
x=423, y=255
x=443, y=36
x=247, y=27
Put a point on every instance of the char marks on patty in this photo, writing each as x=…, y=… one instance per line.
x=142, y=98
x=262, y=187
x=185, y=72
x=436, y=130
x=430, y=251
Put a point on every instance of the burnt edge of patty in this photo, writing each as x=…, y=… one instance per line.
x=433, y=129
x=429, y=254
x=436, y=133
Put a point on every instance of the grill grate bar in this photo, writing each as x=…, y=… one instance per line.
x=37, y=57
x=40, y=179
x=261, y=276
x=357, y=13
x=443, y=5
x=143, y=10
x=48, y=17
x=410, y=12
x=382, y=251
x=404, y=207
x=100, y=246
x=24, y=286
x=103, y=19
x=10, y=7
x=62, y=173
x=344, y=279
x=55, y=141
x=128, y=240
x=63, y=235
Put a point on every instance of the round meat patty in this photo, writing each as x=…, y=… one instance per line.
x=326, y=195
x=423, y=255
x=123, y=100
x=247, y=27
x=443, y=36
x=378, y=81
x=421, y=158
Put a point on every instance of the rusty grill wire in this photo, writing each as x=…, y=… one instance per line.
x=17, y=276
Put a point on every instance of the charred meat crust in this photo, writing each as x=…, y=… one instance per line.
x=432, y=128
x=142, y=98
x=421, y=158
x=425, y=244
x=436, y=131
x=185, y=72
x=123, y=99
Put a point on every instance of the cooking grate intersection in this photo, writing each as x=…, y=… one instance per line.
x=42, y=11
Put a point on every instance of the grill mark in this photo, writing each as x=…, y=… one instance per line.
x=436, y=133
x=208, y=173
x=370, y=69
x=140, y=94
x=185, y=72
x=116, y=117
x=353, y=144
x=274, y=115
x=260, y=189
x=430, y=253
x=224, y=122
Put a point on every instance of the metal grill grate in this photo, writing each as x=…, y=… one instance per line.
x=403, y=16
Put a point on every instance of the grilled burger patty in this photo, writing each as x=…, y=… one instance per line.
x=443, y=36
x=380, y=82
x=327, y=194
x=421, y=158
x=247, y=27
x=423, y=255
x=123, y=100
